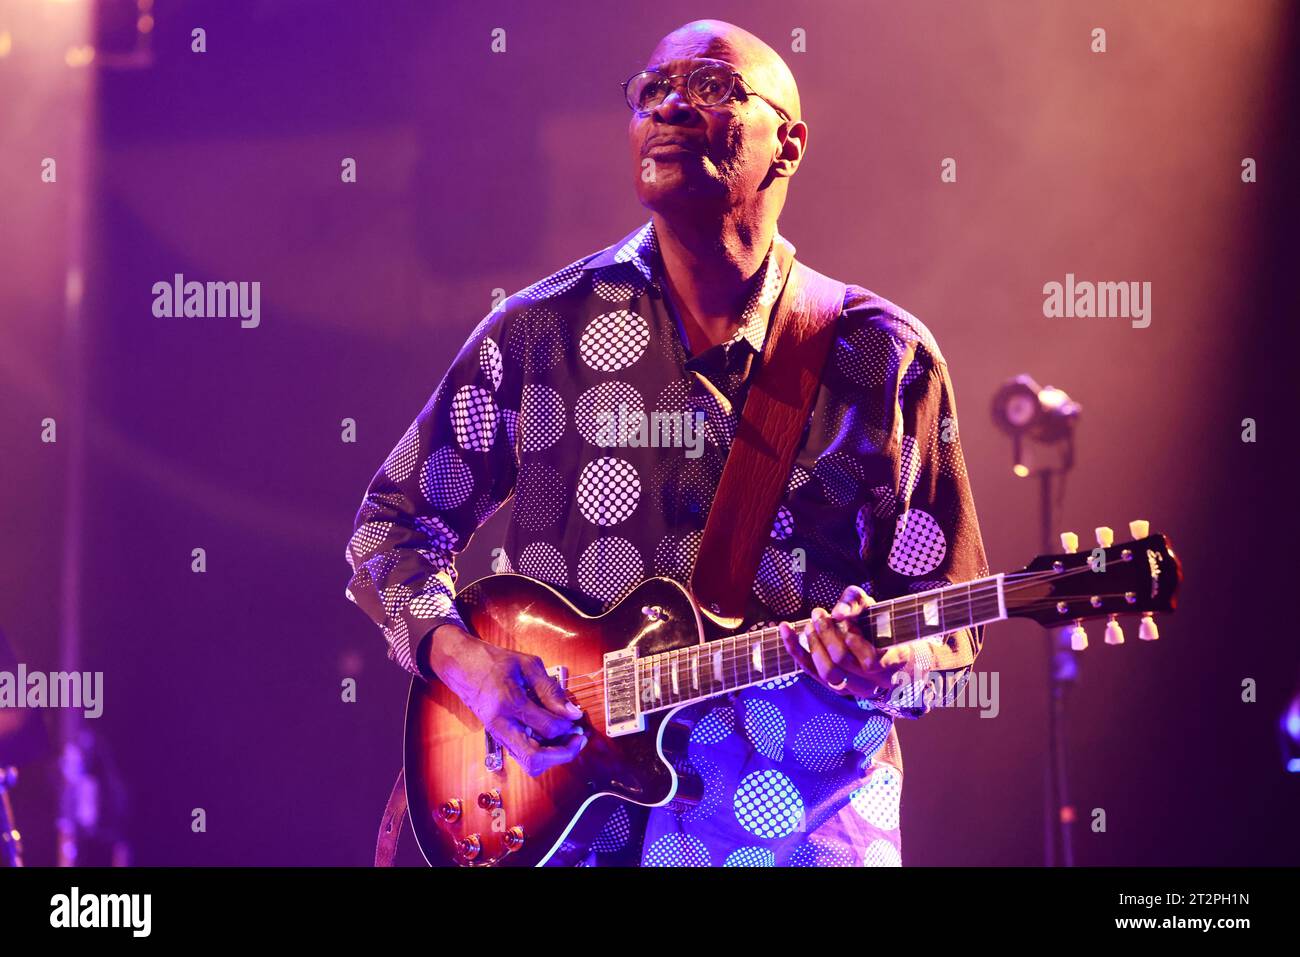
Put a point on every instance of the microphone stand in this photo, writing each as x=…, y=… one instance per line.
x=1062, y=669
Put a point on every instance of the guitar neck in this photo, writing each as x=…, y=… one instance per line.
x=687, y=675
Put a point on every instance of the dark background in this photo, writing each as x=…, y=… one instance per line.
x=480, y=171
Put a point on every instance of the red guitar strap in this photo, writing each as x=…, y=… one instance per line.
x=762, y=454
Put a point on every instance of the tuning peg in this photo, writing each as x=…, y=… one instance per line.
x=1070, y=542
x=1114, y=633
x=1148, y=631
x=1105, y=536
x=1078, y=637
x=1139, y=528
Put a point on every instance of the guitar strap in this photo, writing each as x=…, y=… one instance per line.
x=762, y=454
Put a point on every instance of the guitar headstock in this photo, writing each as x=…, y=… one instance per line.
x=1139, y=577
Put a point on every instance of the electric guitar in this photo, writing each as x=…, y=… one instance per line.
x=636, y=668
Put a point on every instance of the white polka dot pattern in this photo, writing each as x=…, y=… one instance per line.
x=817, y=852
x=438, y=532
x=446, y=481
x=714, y=726
x=776, y=684
x=614, y=834
x=430, y=606
x=614, y=340
x=767, y=804
x=751, y=857
x=798, y=478
x=474, y=417
x=675, y=555
x=867, y=358
x=871, y=736
x=541, y=417
x=783, y=524
x=618, y=284
x=711, y=801
x=555, y=284
x=779, y=582
x=609, y=568
x=596, y=414
x=822, y=741
x=881, y=853
x=510, y=419
x=882, y=501
x=909, y=466
x=839, y=477
x=543, y=561
x=877, y=801
x=677, y=850
x=764, y=726
x=489, y=360
x=401, y=461
x=540, y=496
x=919, y=543
x=608, y=491
x=367, y=538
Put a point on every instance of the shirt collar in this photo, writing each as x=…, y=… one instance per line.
x=641, y=248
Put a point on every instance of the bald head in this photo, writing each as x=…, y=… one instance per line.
x=761, y=66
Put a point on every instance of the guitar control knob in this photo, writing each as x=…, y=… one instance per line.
x=1139, y=528
x=1105, y=536
x=1148, y=631
x=1078, y=637
x=449, y=810
x=514, y=838
x=489, y=800
x=469, y=847
x=1114, y=633
x=1069, y=542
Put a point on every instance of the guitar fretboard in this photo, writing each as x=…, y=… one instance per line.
x=686, y=675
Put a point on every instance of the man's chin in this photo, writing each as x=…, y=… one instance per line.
x=679, y=192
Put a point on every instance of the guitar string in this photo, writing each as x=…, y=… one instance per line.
x=742, y=646
x=593, y=694
x=984, y=590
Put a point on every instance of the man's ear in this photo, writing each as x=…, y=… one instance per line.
x=793, y=145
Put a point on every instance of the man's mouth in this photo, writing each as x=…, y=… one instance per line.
x=668, y=148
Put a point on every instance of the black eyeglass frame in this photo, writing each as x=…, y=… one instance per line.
x=731, y=74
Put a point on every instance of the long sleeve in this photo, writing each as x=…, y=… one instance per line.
x=451, y=470
x=931, y=538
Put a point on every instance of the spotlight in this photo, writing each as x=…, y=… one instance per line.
x=1289, y=726
x=1023, y=407
x=1042, y=414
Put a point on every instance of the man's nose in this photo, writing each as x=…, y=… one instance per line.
x=675, y=105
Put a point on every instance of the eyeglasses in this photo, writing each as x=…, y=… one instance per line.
x=705, y=86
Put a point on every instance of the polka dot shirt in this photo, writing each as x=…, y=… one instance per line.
x=541, y=407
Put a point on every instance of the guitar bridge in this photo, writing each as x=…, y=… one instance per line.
x=622, y=698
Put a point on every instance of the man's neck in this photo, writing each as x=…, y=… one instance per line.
x=709, y=270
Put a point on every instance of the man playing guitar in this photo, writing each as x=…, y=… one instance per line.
x=803, y=770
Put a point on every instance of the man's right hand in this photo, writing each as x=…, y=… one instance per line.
x=514, y=697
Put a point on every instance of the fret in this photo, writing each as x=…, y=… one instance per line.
x=699, y=672
x=938, y=612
